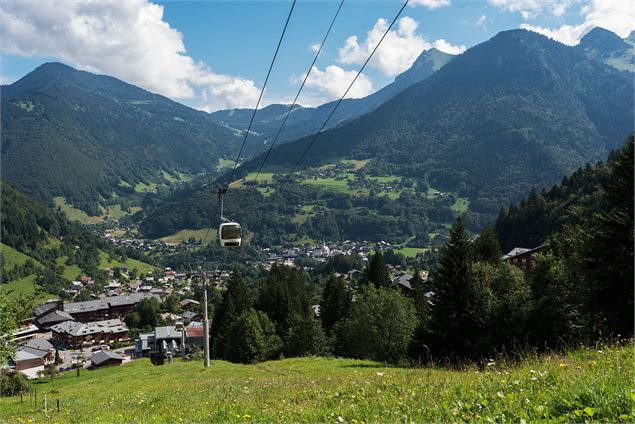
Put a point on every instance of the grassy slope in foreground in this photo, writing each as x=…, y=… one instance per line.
x=582, y=385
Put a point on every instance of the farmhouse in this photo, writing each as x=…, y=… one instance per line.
x=105, y=359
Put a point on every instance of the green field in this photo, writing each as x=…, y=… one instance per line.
x=144, y=188
x=141, y=267
x=185, y=235
x=263, y=177
x=70, y=271
x=25, y=286
x=340, y=186
x=461, y=205
x=12, y=257
x=74, y=214
x=358, y=164
x=584, y=385
x=410, y=252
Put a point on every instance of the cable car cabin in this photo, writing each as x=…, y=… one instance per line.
x=229, y=234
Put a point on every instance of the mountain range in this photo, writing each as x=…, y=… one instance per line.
x=515, y=112
x=90, y=137
x=304, y=120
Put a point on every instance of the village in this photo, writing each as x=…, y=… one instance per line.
x=62, y=336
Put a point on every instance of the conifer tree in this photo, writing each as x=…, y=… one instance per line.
x=376, y=271
x=336, y=302
x=451, y=320
x=486, y=247
x=235, y=302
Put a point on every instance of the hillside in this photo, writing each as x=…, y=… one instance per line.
x=305, y=120
x=582, y=385
x=91, y=138
x=516, y=112
x=41, y=251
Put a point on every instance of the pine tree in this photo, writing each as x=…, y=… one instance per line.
x=608, y=252
x=335, y=304
x=451, y=321
x=486, y=247
x=376, y=271
x=235, y=302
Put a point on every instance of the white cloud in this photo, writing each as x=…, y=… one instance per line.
x=397, y=52
x=126, y=39
x=315, y=47
x=529, y=9
x=446, y=47
x=617, y=16
x=430, y=4
x=480, y=22
x=334, y=81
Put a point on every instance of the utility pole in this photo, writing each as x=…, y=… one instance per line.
x=205, y=324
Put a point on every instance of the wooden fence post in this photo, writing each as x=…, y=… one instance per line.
x=58, y=405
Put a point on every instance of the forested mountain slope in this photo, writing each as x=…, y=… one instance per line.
x=304, y=121
x=41, y=245
x=517, y=111
x=84, y=137
x=605, y=46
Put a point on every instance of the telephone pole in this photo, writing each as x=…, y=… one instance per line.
x=205, y=325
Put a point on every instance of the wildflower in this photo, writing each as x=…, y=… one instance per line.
x=500, y=394
x=340, y=419
x=533, y=379
x=490, y=363
x=532, y=371
x=562, y=365
x=380, y=374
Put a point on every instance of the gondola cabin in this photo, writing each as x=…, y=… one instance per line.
x=229, y=234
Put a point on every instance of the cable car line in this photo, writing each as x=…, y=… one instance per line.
x=295, y=100
x=242, y=146
x=347, y=90
x=284, y=30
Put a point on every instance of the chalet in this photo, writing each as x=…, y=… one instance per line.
x=54, y=317
x=189, y=303
x=79, y=335
x=105, y=308
x=402, y=283
x=143, y=345
x=189, y=316
x=36, y=353
x=523, y=258
x=105, y=359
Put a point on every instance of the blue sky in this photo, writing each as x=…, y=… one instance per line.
x=215, y=54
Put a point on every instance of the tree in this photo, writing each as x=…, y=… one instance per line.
x=335, y=303
x=8, y=324
x=376, y=271
x=283, y=294
x=608, y=251
x=306, y=336
x=235, y=302
x=486, y=247
x=171, y=304
x=380, y=326
x=252, y=338
x=455, y=323
x=149, y=312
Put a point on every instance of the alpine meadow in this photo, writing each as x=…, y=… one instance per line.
x=340, y=211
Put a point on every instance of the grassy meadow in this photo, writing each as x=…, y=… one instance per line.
x=588, y=384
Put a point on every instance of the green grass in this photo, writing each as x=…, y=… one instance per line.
x=580, y=386
x=144, y=188
x=392, y=195
x=74, y=214
x=224, y=163
x=13, y=258
x=340, y=186
x=141, y=267
x=70, y=271
x=125, y=184
x=184, y=235
x=358, y=164
x=25, y=286
x=461, y=205
x=410, y=252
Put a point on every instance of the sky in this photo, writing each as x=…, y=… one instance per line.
x=214, y=55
